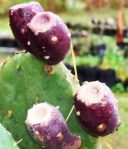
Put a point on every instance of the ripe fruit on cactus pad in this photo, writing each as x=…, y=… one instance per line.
x=49, y=37
x=47, y=125
x=20, y=15
x=96, y=108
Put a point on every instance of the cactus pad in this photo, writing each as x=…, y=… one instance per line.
x=25, y=81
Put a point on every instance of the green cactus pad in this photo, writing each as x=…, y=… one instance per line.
x=6, y=140
x=24, y=82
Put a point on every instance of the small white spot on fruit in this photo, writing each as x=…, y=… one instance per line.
x=59, y=136
x=11, y=12
x=37, y=133
x=29, y=43
x=22, y=31
x=46, y=57
x=101, y=127
x=69, y=34
x=54, y=39
x=103, y=103
x=43, y=47
x=33, y=10
x=78, y=113
x=110, y=112
x=36, y=33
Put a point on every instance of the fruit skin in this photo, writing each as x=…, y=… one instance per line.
x=24, y=81
x=6, y=140
x=49, y=37
x=19, y=16
x=50, y=129
x=99, y=118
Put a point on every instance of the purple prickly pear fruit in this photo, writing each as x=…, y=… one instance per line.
x=47, y=125
x=96, y=108
x=19, y=16
x=49, y=37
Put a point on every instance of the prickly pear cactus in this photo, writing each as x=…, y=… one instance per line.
x=6, y=140
x=24, y=81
